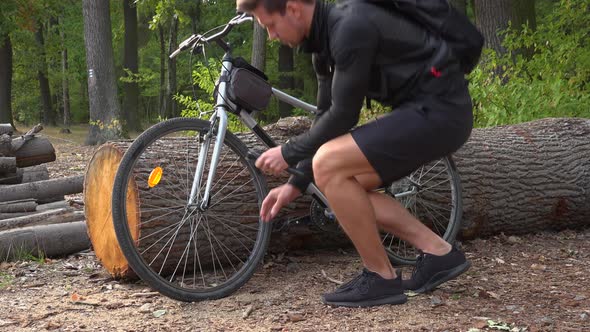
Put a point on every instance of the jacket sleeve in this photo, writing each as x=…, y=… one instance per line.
x=353, y=49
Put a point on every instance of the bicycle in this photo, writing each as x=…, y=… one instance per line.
x=205, y=235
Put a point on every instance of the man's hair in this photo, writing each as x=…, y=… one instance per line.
x=271, y=6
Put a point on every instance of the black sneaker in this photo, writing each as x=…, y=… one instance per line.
x=431, y=270
x=366, y=290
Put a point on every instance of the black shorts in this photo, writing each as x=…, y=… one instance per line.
x=416, y=132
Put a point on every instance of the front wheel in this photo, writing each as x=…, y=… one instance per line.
x=432, y=194
x=188, y=252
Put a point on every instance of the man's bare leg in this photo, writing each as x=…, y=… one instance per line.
x=338, y=166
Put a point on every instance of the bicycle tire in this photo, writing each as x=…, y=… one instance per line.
x=422, y=203
x=224, y=266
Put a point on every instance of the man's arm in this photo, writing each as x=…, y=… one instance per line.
x=353, y=49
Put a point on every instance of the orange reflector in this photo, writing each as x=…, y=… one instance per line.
x=155, y=177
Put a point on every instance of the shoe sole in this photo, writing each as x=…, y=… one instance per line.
x=396, y=299
x=443, y=276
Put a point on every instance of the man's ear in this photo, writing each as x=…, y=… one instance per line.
x=293, y=9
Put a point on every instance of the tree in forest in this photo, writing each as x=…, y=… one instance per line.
x=5, y=79
x=48, y=112
x=7, y=12
x=258, y=47
x=286, y=79
x=130, y=65
x=105, y=112
x=491, y=17
x=65, y=79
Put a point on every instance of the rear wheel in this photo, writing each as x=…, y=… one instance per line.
x=432, y=193
x=186, y=252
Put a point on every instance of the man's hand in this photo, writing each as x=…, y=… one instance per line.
x=272, y=161
x=276, y=199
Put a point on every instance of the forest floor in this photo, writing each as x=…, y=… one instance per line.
x=516, y=283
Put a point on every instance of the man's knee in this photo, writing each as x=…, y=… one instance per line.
x=324, y=165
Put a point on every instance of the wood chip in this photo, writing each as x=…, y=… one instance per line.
x=336, y=281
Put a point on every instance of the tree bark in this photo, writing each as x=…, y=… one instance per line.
x=6, y=80
x=130, y=62
x=49, y=217
x=171, y=105
x=492, y=17
x=48, y=115
x=42, y=189
x=6, y=129
x=105, y=111
x=286, y=79
x=44, y=241
x=163, y=57
x=259, y=47
x=7, y=165
x=35, y=151
x=23, y=205
x=65, y=84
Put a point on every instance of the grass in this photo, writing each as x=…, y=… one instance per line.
x=78, y=134
x=5, y=280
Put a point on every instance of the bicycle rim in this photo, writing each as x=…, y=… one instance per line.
x=187, y=253
x=432, y=193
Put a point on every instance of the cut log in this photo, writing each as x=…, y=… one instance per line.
x=6, y=128
x=26, y=175
x=24, y=205
x=516, y=179
x=44, y=241
x=526, y=178
x=43, y=189
x=56, y=216
x=33, y=151
x=12, y=215
x=5, y=145
x=7, y=165
x=35, y=173
x=51, y=206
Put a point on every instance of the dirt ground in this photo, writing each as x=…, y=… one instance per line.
x=526, y=283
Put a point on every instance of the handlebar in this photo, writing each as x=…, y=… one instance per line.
x=194, y=39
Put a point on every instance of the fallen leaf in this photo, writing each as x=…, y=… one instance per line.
x=248, y=311
x=159, y=313
x=76, y=298
x=295, y=317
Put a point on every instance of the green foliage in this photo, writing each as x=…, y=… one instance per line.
x=546, y=72
x=5, y=280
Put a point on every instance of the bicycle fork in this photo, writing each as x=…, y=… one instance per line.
x=218, y=128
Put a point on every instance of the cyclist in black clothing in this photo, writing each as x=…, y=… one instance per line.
x=361, y=50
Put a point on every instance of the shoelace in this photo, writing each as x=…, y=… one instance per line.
x=359, y=278
x=419, y=264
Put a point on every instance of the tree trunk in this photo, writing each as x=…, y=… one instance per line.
x=48, y=116
x=492, y=17
x=516, y=179
x=286, y=80
x=171, y=105
x=42, y=189
x=23, y=205
x=44, y=241
x=163, y=57
x=259, y=47
x=130, y=62
x=6, y=80
x=65, y=84
x=105, y=111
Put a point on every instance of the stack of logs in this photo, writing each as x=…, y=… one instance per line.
x=35, y=218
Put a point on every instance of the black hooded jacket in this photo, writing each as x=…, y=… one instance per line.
x=361, y=50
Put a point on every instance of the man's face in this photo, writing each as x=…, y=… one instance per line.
x=287, y=28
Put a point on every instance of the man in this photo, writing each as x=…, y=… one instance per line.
x=361, y=50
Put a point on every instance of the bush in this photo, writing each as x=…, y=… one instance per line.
x=545, y=73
